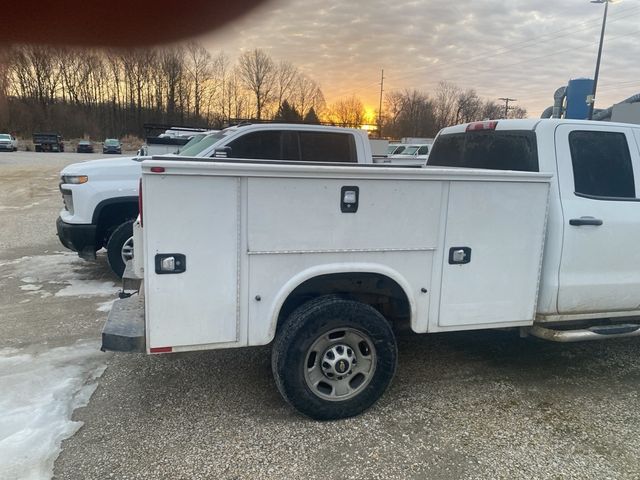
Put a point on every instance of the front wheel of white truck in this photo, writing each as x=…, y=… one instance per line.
x=120, y=247
x=333, y=358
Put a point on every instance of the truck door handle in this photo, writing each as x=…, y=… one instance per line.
x=577, y=222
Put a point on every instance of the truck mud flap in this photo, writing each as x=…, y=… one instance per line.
x=124, y=330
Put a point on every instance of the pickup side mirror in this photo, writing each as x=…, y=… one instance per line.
x=223, y=152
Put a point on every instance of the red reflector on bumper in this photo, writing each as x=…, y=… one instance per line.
x=157, y=169
x=162, y=350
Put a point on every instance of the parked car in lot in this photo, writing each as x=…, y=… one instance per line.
x=414, y=150
x=526, y=225
x=411, y=155
x=84, y=146
x=8, y=142
x=395, y=148
x=172, y=140
x=48, y=142
x=112, y=145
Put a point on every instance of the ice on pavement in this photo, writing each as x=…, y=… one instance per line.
x=62, y=274
x=39, y=386
x=106, y=306
x=81, y=288
x=38, y=393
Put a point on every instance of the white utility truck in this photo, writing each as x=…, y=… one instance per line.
x=535, y=230
x=101, y=196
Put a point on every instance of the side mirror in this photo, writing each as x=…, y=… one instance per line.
x=223, y=152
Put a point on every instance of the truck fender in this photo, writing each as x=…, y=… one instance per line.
x=127, y=200
x=332, y=268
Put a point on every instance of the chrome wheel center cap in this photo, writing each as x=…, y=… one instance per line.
x=338, y=361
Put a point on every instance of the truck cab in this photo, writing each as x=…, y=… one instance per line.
x=590, y=263
x=287, y=142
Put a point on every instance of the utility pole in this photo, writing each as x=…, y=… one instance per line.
x=380, y=106
x=506, y=101
x=595, y=77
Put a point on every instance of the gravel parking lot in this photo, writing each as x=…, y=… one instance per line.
x=463, y=406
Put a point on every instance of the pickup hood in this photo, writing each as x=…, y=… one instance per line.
x=106, y=168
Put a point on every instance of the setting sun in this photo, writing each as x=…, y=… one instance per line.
x=370, y=115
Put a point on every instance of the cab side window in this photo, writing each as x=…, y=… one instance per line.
x=601, y=164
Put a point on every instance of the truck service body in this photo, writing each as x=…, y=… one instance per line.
x=516, y=224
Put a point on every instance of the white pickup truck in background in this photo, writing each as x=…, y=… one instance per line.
x=101, y=196
x=534, y=229
x=171, y=141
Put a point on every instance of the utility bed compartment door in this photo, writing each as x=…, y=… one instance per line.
x=200, y=305
x=502, y=226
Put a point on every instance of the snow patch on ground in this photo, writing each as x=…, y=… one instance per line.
x=30, y=287
x=57, y=267
x=84, y=288
x=106, y=306
x=62, y=274
x=38, y=395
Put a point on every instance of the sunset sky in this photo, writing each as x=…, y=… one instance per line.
x=522, y=49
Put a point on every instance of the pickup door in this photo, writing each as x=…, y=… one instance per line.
x=599, y=175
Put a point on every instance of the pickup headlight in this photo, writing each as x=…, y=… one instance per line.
x=75, y=179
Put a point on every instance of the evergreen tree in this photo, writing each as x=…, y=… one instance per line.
x=287, y=113
x=311, y=117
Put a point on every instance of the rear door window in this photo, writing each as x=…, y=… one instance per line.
x=491, y=149
x=601, y=164
x=327, y=147
x=290, y=146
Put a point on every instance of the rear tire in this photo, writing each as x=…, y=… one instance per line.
x=333, y=358
x=120, y=244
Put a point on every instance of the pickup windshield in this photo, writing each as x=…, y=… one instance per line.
x=4, y=136
x=193, y=140
x=493, y=150
x=194, y=149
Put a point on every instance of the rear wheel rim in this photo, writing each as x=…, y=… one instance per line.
x=340, y=364
x=127, y=250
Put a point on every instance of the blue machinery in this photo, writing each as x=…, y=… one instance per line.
x=571, y=102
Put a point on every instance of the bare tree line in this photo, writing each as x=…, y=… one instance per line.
x=411, y=113
x=114, y=92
